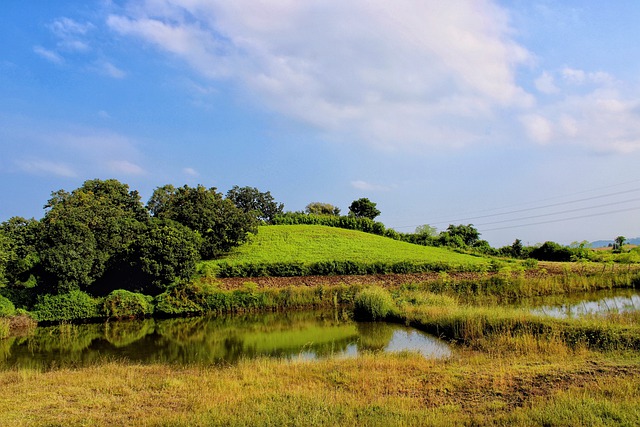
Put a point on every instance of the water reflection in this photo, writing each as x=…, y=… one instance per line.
x=595, y=303
x=214, y=340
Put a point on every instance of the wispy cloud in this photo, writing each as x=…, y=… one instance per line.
x=367, y=186
x=125, y=167
x=49, y=55
x=190, y=172
x=108, y=69
x=46, y=167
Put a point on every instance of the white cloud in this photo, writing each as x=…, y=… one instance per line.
x=545, y=83
x=125, y=167
x=367, y=186
x=70, y=34
x=395, y=74
x=537, y=127
x=46, y=167
x=49, y=55
x=190, y=172
x=67, y=150
x=590, y=110
x=110, y=70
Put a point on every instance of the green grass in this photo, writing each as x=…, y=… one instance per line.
x=309, y=244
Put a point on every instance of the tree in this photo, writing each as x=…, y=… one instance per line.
x=163, y=253
x=23, y=258
x=517, y=249
x=363, y=208
x=619, y=243
x=425, y=230
x=318, y=208
x=219, y=221
x=251, y=200
x=83, y=230
x=551, y=251
x=4, y=257
x=460, y=235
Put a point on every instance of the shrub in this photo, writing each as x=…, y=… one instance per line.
x=373, y=303
x=6, y=307
x=182, y=300
x=75, y=305
x=121, y=303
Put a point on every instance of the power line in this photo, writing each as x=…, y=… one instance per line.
x=538, y=207
x=563, y=219
x=560, y=212
x=542, y=207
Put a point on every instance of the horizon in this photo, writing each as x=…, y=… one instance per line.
x=440, y=114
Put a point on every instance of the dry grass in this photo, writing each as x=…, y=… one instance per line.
x=370, y=390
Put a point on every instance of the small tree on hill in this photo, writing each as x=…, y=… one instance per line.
x=250, y=199
x=318, y=208
x=363, y=208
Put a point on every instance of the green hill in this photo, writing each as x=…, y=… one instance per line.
x=325, y=247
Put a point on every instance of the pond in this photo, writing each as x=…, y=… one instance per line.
x=592, y=303
x=214, y=340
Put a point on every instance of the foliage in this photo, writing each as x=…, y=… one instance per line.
x=6, y=307
x=551, y=251
x=251, y=200
x=71, y=306
x=4, y=257
x=461, y=235
x=22, y=259
x=363, y=208
x=373, y=303
x=219, y=221
x=619, y=243
x=347, y=222
x=319, y=208
x=163, y=253
x=84, y=229
x=122, y=304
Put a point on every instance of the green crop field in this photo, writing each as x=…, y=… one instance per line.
x=308, y=244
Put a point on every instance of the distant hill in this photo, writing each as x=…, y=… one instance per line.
x=605, y=243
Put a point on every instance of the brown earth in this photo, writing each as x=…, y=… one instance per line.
x=394, y=280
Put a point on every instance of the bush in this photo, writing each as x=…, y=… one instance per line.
x=6, y=307
x=182, y=300
x=373, y=303
x=121, y=303
x=75, y=305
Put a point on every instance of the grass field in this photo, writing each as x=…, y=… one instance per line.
x=310, y=244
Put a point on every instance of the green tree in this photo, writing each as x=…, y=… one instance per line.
x=219, y=221
x=4, y=257
x=23, y=259
x=460, y=235
x=426, y=230
x=363, y=208
x=251, y=200
x=619, y=243
x=163, y=253
x=319, y=208
x=69, y=255
x=517, y=250
x=83, y=230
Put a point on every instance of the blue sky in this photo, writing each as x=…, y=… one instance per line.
x=520, y=117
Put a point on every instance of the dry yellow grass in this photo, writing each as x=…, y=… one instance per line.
x=369, y=390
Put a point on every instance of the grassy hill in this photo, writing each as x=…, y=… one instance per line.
x=306, y=245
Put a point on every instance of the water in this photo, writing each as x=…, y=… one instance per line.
x=214, y=340
x=589, y=304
